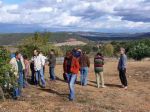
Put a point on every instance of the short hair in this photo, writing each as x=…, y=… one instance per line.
x=25, y=57
x=122, y=49
x=16, y=53
x=52, y=50
x=99, y=54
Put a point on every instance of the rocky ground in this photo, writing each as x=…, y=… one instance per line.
x=54, y=98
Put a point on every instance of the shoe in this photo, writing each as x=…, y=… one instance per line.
x=126, y=87
x=71, y=100
x=103, y=86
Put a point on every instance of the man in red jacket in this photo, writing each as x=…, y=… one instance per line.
x=72, y=76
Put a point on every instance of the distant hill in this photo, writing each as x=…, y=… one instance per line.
x=95, y=36
x=58, y=37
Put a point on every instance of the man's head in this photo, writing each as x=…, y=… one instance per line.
x=99, y=54
x=36, y=52
x=25, y=57
x=18, y=55
x=84, y=52
x=52, y=51
x=122, y=50
x=68, y=54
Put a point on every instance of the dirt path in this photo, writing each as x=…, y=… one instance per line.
x=89, y=98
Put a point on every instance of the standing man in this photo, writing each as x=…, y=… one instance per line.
x=98, y=66
x=84, y=65
x=44, y=58
x=74, y=69
x=18, y=67
x=67, y=65
x=52, y=64
x=39, y=62
x=122, y=64
x=33, y=80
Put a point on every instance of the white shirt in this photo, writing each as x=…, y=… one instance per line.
x=39, y=62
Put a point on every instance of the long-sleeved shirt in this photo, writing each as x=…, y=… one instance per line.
x=122, y=62
x=39, y=62
x=84, y=61
x=52, y=60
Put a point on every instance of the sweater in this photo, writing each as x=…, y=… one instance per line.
x=98, y=64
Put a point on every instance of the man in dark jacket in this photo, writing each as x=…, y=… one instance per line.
x=122, y=68
x=67, y=65
x=52, y=64
x=84, y=65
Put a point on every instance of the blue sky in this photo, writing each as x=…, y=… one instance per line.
x=75, y=15
x=12, y=1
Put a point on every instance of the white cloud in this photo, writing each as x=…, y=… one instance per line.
x=79, y=14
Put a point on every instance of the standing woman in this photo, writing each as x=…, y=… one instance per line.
x=27, y=67
x=74, y=69
x=98, y=66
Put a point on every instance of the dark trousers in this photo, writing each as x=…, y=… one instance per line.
x=33, y=76
x=122, y=75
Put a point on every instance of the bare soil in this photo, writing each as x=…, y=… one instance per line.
x=54, y=98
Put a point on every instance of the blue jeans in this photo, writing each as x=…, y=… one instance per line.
x=17, y=90
x=71, y=82
x=84, y=76
x=40, y=76
x=52, y=73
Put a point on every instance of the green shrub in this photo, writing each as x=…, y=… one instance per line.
x=7, y=78
x=139, y=51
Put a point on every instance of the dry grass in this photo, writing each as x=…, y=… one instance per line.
x=89, y=98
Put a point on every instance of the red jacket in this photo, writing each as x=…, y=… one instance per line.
x=75, y=66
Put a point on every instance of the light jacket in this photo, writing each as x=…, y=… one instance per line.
x=39, y=62
x=14, y=64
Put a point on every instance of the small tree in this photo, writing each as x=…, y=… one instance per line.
x=108, y=50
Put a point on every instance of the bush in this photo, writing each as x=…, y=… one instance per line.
x=139, y=51
x=108, y=50
x=7, y=78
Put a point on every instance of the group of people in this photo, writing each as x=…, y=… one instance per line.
x=74, y=62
